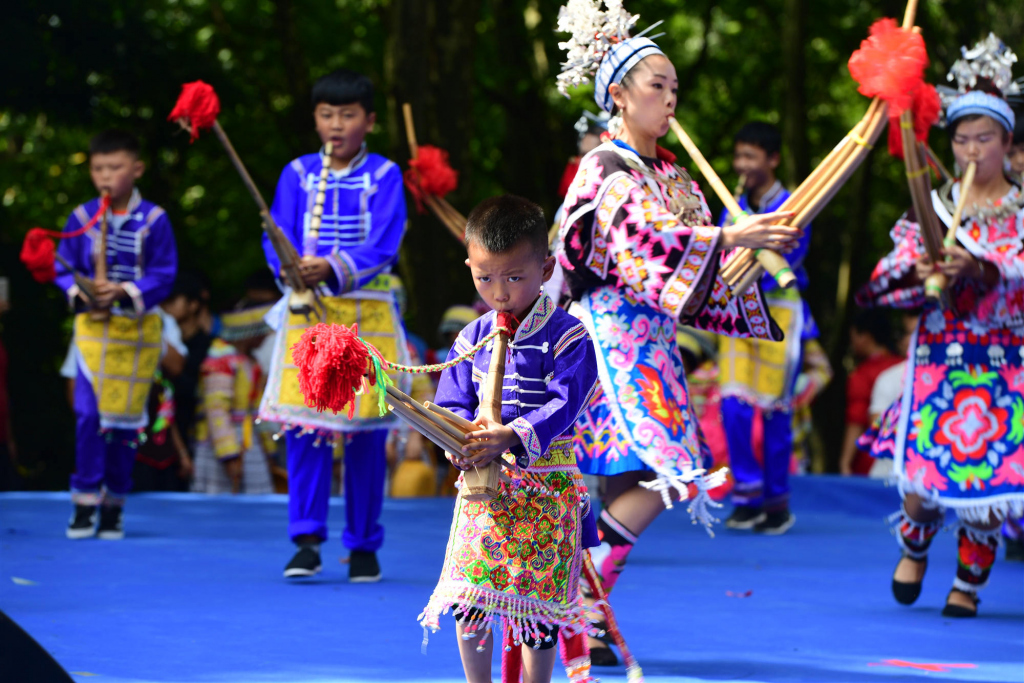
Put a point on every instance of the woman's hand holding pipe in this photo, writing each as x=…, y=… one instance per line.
x=757, y=231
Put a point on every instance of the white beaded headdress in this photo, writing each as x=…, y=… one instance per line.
x=600, y=46
x=989, y=59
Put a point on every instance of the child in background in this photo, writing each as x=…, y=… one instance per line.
x=870, y=339
x=347, y=260
x=117, y=340
x=516, y=558
x=229, y=455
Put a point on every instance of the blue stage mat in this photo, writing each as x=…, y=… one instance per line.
x=195, y=593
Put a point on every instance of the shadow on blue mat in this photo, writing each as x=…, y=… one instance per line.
x=195, y=593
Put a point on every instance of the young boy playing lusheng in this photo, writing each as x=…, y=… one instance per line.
x=517, y=557
x=117, y=336
x=362, y=220
x=761, y=375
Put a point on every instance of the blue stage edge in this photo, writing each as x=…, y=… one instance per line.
x=195, y=594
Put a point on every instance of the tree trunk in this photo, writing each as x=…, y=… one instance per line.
x=796, y=161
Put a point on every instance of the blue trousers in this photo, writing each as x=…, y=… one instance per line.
x=103, y=460
x=756, y=485
x=310, y=468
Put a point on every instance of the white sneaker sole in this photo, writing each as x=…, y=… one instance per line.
x=365, y=579
x=110, y=535
x=78, y=534
x=778, y=531
x=747, y=525
x=298, y=572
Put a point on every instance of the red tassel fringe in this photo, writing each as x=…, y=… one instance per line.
x=890, y=65
x=38, y=252
x=430, y=174
x=197, y=107
x=926, y=107
x=332, y=362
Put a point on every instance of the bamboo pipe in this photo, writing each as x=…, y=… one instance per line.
x=448, y=428
x=425, y=426
x=285, y=250
x=85, y=285
x=773, y=262
x=943, y=171
x=481, y=484
x=935, y=284
x=410, y=130
x=101, y=314
x=454, y=418
x=805, y=192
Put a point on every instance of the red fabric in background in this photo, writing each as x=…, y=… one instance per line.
x=858, y=399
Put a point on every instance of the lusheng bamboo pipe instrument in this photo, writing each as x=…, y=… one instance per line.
x=303, y=300
x=772, y=262
x=936, y=283
x=740, y=271
x=101, y=314
x=481, y=483
x=449, y=216
x=85, y=285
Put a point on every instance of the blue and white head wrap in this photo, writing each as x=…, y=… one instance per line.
x=979, y=102
x=617, y=63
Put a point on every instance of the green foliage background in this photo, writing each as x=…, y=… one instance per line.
x=480, y=76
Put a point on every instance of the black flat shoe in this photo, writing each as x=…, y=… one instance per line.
x=958, y=611
x=907, y=593
x=605, y=637
x=603, y=656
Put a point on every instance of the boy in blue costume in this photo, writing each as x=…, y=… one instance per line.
x=117, y=339
x=761, y=375
x=344, y=210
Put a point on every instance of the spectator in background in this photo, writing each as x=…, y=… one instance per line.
x=1015, y=158
x=229, y=456
x=870, y=341
x=888, y=387
x=162, y=462
x=189, y=305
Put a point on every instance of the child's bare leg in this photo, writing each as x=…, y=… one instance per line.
x=477, y=665
x=538, y=664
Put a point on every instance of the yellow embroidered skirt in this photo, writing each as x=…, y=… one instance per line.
x=518, y=556
x=119, y=357
x=373, y=309
x=760, y=372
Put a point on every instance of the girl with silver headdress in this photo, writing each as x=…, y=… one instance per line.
x=641, y=253
x=957, y=433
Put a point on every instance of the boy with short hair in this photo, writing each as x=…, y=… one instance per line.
x=117, y=335
x=523, y=568
x=760, y=376
x=345, y=213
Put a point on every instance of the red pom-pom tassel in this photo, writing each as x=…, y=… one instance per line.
x=197, y=107
x=926, y=107
x=37, y=253
x=430, y=174
x=332, y=362
x=890, y=65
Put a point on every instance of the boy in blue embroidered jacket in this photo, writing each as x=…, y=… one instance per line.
x=517, y=557
x=762, y=375
x=118, y=342
x=359, y=199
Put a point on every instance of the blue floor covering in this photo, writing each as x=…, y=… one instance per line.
x=195, y=593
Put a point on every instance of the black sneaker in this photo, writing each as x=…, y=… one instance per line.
x=744, y=517
x=363, y=567
x=111, y=523
x=305, y=563
x=776, y=523
x=83, y=523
